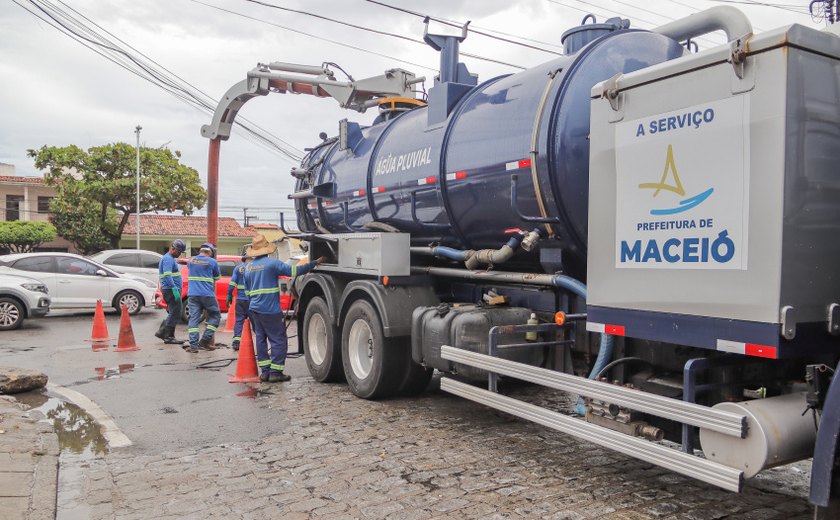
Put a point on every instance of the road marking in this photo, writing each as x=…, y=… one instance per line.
x=109, y=429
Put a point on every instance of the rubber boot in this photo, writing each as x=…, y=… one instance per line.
x=207, y=343
x=162, y=331
x=278, y=377
x=170, y=338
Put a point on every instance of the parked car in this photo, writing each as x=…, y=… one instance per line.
x=75, y=282
x=21, y=297
x=137, y=262
x=227, y=263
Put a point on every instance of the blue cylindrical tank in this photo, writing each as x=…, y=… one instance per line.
x=450, y=182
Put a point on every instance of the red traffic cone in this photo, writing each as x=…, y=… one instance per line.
x=246, y=365
x=99, y=335
x=231, y=314
x=126, y=340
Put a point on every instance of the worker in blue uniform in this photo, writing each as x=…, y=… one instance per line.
x=170, y=287
x=263, y=287
x=237, y=282
x=201, y=289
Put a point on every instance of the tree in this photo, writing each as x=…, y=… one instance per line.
x=96, y=189
x=23, y=236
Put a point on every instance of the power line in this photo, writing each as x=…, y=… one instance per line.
x=784, y=7
x=473, y=29
x=208, y=102
x=383, y=33
x=150, y=71
x=616, y=12
x=313, y=35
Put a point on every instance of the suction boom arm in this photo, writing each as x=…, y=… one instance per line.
x=306, y=79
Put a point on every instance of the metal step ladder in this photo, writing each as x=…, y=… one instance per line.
x=655, y=453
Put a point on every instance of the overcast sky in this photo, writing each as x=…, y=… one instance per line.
x=54, y=91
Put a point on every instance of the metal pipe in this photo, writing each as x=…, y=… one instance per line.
x=492, y=256
x=547, y=280
x=137, y=193
x=301, y=69
x=719, y=18
x=213, y=191
x=292, y=78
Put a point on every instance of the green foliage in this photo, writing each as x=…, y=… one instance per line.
x=22, y=236
x=96, y=189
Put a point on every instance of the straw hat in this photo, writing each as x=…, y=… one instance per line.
x=260, y=246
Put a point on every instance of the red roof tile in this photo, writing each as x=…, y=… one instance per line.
x=25, y=180
x=177, y=226
x=264, y=226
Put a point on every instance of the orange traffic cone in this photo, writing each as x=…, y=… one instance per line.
x=231, y=314
x=99, y=336
x=246, y=366
x=126, y=340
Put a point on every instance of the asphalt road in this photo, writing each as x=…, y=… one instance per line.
x=157, y=395
x=205, y=448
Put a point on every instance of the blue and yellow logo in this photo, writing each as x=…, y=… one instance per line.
x=676, y=187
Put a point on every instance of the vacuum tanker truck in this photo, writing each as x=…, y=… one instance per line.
x=654, y=230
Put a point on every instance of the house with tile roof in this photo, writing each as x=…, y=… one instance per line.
x=158, y=231
x=28, y=198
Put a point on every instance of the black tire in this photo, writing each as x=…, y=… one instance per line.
x=416, y=378
x=12, y=313
x=321, y=345
x=373, y=365
x=132, y=299
x=185, y=313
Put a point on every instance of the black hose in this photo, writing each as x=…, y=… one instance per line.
x=618, y=362
x=216, y=363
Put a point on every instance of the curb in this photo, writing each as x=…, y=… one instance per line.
x=28, y=464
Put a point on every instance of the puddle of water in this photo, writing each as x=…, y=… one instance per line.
x=103, y=373
x=77, y=431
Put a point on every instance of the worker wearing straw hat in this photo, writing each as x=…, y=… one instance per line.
x=263, y=288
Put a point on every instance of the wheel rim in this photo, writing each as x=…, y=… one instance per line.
x=131, y=302
x=9, y=314
x=360, y=348
x=316, y=339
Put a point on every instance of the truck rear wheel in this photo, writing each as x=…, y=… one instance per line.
x=373, y=365
x=322, y=349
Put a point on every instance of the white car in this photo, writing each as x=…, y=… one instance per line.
x=137, y=262
x=74, y=282
x=21, y=297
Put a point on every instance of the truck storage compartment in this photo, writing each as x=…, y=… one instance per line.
x=467, y=326
x=715, y=196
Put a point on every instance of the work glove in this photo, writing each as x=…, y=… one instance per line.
x=229, y=299
x=177, y=293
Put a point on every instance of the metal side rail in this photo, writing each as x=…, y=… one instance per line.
x=710, y=472
x=726, y=423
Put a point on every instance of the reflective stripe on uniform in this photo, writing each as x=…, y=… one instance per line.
x=263, y=291
x=163, y=275
x=193, y=330
x=277, y=367
x=263, y=363
x=211, y=327
x=200, y=279
x=237, y=338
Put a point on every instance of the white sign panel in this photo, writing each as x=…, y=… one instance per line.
x=682, y=188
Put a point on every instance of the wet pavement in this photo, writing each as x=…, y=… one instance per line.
x=205, y=448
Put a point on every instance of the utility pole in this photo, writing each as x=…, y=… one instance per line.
x=137, y=207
